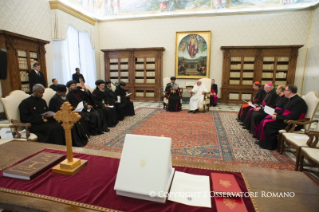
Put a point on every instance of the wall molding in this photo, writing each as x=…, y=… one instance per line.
x=60, y=6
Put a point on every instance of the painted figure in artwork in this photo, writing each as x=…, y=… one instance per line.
x=192, y=46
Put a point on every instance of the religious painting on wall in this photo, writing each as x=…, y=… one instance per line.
x=297, y=1
x=256, y=3
x=220, y=4
x=138, y=6
x=193, y=4
x=192, y=54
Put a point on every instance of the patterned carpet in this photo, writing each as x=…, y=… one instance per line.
x=206, y=137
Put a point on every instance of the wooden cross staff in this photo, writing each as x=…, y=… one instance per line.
x=68, y=118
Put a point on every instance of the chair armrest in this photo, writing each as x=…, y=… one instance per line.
x=17, y=124
x=313, y=138
x=293, y=123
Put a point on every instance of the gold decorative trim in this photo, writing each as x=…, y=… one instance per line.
x=60, y=6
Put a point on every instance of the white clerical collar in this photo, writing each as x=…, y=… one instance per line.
x=292, y=96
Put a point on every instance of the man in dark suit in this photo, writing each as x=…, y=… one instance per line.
x=77, y=77
x=36, y=77
x=54, y=85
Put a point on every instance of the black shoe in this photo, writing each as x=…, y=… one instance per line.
x=244, y=127
x=107, y=130
x=242, y=124
x=257, y=142
x=190, y=111
x=194, y=111
x=254, y=136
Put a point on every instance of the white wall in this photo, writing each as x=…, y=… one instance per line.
x=239, y=30
x=311, y=78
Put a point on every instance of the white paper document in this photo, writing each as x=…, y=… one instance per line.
x=300, y=137
x=111, y=106
x=80, y=107
x=190, y=189
x=175, y=87
x=269, y=110
x=119, y=99
x=128, y=94
x=251, y=105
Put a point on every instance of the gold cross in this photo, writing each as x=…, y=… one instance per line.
x=68, y=118
x=173, y=91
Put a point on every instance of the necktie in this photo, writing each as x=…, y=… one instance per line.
x=38, y=73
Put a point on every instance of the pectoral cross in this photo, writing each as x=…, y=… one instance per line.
x=68, y=117
x=173, y=91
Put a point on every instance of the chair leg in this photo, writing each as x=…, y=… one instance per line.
x=282, y=141
x=297, y=158
x=301, y=161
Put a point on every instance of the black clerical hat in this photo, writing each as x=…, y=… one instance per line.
x=98, y=82
x=70, y=83
x=107, y=81
x=122, y=83
x=173, y=78
x=60, y=88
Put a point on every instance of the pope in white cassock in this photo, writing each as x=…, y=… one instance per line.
x=196, y=101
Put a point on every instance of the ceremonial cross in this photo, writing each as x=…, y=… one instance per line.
x=173, y=91
x=68, y=118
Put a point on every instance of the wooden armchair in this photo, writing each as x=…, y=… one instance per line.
x=206, y=96
x=298, y=140
x=10, y=105
x=311, y=153
x=48, y=94
x=166, y=80
x=312, y=102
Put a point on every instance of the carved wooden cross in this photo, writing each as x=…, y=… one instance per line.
x=68, y=118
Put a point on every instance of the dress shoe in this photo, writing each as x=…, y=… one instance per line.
x=107, y=130
x=242, y=124
x=244, y=127
x=194, y=111
x=190, y=111
x=254, y=136
x=257, y=142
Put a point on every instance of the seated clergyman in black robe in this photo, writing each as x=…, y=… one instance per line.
x=126, y=102
x=80, y=134
x=112, y=100
x=295, y=108
x=173, y=95
x=92, y=117
x=257, y=100
x=257, y=114
x=100, y=98
x=34, y=110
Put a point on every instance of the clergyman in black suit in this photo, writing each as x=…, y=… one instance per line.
x=77, y=76
x=36, y=76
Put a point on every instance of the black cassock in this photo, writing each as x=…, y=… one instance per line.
x=125, y=102
x=173, y=96
x=92, y=118
x=50, y=131
x=100, y=99
x=111, y=100
x=80, y=133
x=255, y=117
x=260, y=95
x=279, y=106
x=295, y=108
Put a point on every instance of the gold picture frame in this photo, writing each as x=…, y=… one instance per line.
x=192, y=54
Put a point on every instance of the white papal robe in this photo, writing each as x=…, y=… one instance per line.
x=196, y=101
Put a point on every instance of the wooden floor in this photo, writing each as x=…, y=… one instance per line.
x=265, y=182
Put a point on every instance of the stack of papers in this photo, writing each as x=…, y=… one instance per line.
x=190, y=189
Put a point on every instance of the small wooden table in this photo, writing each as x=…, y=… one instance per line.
x=260, y=180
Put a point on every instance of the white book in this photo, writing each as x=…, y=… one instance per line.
x=145, y=170
x=190, y=189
